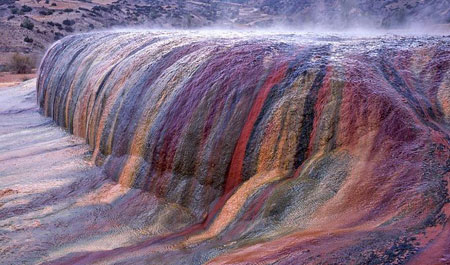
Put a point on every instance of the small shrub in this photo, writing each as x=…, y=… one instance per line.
x=26, y=9
x=46, y=12
x=68, y=29
x=68, y=10
x=53, y=4
x=47, y=2
x=27, y=24
x=11, y=17
x=58, y=35
x=100, y=8
x=68, y=22
x=14, y=11
x=21, y=64
x=50, y=23
x=28, y=40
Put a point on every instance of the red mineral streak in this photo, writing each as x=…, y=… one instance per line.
x=234, y=175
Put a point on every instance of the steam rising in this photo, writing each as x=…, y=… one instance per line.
x=359, y=16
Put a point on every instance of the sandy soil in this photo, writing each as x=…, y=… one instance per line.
x=8, y=79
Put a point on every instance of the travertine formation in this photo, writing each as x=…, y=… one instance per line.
x=284, y=148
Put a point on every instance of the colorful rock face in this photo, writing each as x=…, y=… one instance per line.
x=283, y=147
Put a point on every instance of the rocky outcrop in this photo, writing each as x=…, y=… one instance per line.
x=271, y=142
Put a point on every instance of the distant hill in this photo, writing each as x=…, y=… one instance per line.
x=338, y=13
x=30, y=26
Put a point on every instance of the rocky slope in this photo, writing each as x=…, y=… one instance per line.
x=44, y=21
x=345, y=13
x=282, y=148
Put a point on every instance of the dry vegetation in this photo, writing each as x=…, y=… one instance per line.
x=21, y=67
x=21, y=64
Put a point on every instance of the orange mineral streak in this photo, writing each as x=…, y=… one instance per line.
x=234, y=175
x=271, y=155
x=126, y=177
x=234, y=204
x=66, y=109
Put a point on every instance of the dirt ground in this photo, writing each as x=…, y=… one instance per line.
x=8, y=79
